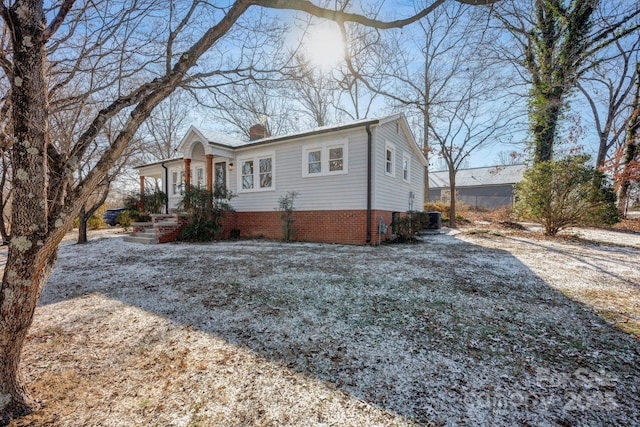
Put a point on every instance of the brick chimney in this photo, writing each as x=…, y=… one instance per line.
x=258, y=131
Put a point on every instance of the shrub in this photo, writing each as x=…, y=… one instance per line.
x=285, y=206
x=565, y=193
x=141, y=207
x=441, y=207
x=206, y=211
x=95, y=220
x=125, y=220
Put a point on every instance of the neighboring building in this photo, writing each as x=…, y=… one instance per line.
x=347, y=177
x=488, y=187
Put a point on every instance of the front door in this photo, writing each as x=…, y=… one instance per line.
x=221, y=174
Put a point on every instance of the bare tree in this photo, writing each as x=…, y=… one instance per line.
x=448, y=86
x=554, y=42
x=161, y=132
x=629, y=169
x=607, y=88
x=46, y=198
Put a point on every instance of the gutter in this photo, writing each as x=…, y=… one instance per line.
x=369, y=189
x=166, y=187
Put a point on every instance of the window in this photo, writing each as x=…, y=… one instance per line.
x=200, y=177
x=174, y=182
x=247, y=174
x=336, y=159
x=221, y=174
x=314, y=161
x=257, y=174
x=406, y=164
x=182, y=183
x=265, y=172
x=329, y=158
x=389, y=159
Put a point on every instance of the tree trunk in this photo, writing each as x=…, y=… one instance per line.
x=83, y=217
x=632, y=150
x=452, y=202
x=544, y=124
x=29, y=259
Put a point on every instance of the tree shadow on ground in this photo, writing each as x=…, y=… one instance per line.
x=444, y=330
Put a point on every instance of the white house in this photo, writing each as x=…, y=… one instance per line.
x=348, y=178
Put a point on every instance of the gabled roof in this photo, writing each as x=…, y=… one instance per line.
x=218, y=141
x=479, y=177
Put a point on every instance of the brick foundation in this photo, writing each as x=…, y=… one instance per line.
x=344, y=226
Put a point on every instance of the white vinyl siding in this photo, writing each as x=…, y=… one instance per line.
x=392, y=191
x=330, y=191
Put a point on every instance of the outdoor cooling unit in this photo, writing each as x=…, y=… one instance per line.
x=434, y=221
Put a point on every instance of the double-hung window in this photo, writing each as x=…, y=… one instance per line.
x=174, y=183
x=336, y=159
x=257, y=173
x=321, y=159
x=314, y=161
x=266, y=172
x=247, y=174
x=389, y=159
x=406, y=166
x=199, y=177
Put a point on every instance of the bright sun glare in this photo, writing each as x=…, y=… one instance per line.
x=324, y=47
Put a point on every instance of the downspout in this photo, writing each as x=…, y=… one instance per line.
x=166, y=188
x=369, y=190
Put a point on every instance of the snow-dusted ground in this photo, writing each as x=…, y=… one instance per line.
x=475, y=329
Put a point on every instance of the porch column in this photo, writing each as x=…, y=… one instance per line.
x=141, y=185
x=187, y=174
x=209, y=168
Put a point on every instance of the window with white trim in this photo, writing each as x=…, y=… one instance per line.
x=314, y=161
x=199, y=177
x=257, y=173
x=221, y=174
x=323, y=159
x=406, y=166
x=247, y=174
x=183, y=184
x=174, y=182
x=389, y=159
x=266, y=172
x=336, y=159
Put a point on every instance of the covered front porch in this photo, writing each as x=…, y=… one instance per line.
x=203, y=166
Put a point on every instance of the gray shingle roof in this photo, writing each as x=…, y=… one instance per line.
x=479, y=177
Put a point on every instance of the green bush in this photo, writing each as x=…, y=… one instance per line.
x=565, y=193
x=141, y=207
x=125, y=220
x=441, y=207
x=206, y=211
x=285, y=206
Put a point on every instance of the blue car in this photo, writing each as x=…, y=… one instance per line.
x=111, y=215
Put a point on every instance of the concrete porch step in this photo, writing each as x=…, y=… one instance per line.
x=140, y=239
x=150, y=234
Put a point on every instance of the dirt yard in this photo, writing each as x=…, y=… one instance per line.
x=485, y=327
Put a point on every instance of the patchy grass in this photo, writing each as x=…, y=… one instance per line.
x=473, y=329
